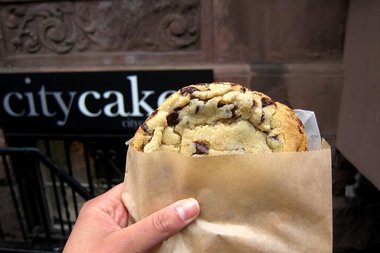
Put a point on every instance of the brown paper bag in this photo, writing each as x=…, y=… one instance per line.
x=274, y=202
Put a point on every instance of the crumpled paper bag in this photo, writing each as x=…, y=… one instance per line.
x=271, y=202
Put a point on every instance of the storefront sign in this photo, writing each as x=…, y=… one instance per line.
x=90, y=102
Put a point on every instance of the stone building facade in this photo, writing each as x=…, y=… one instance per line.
x=291, y=50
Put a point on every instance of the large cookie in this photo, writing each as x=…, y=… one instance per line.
x=220, y=118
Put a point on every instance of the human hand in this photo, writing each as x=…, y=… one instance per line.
x=102, y=225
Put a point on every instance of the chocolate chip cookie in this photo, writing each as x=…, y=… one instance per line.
x=220, y=118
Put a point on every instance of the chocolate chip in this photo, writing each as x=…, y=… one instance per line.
x=262, y=118
x=274, y=137
x=233, y=110
x=266, y=101
x=197, y=109
x=242, y=88
x=181, y=107
x=220, y=104
x=300, y=129
x=144, y=127
x=201, y=147
x=188, y=90
x=300, y=126
x=172, y=119
x=154, y=113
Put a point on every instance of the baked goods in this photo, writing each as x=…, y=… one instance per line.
x=220, y=118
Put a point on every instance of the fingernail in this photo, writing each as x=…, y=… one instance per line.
x=187, y=209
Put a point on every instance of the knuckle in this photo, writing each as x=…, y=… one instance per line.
x=161, y=223
x=88, y=205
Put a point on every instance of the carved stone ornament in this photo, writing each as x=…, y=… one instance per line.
x=97, y=26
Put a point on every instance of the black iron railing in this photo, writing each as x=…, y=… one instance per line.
x=25, y=169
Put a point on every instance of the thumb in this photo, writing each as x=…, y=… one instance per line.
x=158, y=226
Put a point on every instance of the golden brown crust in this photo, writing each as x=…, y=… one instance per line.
x=220, y=118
